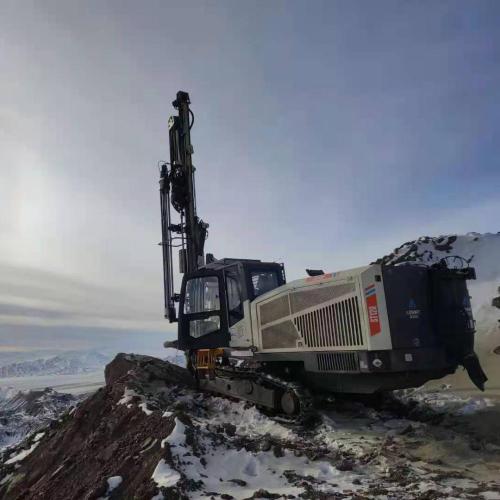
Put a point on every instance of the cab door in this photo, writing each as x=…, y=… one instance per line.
x=203, y=312
x=235, y=288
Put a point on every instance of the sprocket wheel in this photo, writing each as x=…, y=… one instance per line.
x=290, y=403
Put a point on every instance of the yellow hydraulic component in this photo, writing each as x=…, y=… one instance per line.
x=205, y=361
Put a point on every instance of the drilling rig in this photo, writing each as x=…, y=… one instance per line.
x=249, y=334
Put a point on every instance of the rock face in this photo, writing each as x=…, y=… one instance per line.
x=108, y=435
x=149, y=434
x=27, y=412
x=145, y=369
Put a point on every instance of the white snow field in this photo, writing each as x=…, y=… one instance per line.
x=231, y=450
x=72, y=384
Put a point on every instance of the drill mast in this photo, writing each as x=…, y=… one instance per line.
x=177, y=189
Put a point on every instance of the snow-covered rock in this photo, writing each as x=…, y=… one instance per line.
x=27, y=412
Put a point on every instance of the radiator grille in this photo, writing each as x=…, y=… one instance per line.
x=335, y=325
x=309, y=297
x=274, y=310
x=280, y=335
x=338, y=362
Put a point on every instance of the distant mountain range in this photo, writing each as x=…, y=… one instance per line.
x=70, y=363
x=40, y=363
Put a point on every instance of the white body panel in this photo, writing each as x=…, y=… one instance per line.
x=341, y=311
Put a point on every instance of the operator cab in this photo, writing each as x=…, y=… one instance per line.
x=212, y=298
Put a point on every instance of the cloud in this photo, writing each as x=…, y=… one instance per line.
x=16, y=338
x=37, y=297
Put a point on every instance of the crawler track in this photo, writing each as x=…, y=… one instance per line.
x=231, y=382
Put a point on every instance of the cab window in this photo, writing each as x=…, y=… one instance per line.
x=263, y=281
x=234, y=304
x=200, y=327
x=233, y=294
x=202, y=295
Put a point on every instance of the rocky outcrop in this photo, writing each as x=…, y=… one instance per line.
x=145, y=369
x=27, y=412
x=115, y=432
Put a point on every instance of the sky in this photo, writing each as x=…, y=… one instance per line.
x=326, y=135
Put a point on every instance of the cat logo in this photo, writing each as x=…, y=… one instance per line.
x=413, y=312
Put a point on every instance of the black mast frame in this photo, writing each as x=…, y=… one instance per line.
x=177, y=189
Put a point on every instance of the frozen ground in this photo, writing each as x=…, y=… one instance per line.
x=440, y=450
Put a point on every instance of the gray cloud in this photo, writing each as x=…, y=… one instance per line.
x=36, y=297
x=25, y=311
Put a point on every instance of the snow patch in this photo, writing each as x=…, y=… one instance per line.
x=249, y=421
x=114, y=482
x=178, y=435
x=450, y=402
x=22, y=455
x=144, y=408
x=164, y=475
x=38, y=437
x=128, y=396
x=6, y=479
x=239, y=473
x=491, y=495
